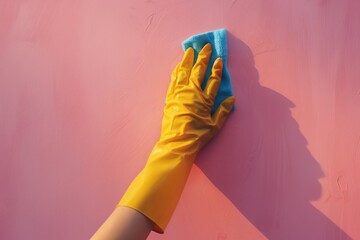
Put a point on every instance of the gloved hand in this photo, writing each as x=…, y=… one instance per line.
x=187, y=125
x=187, y=114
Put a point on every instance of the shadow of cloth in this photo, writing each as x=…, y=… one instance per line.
x=263, y=165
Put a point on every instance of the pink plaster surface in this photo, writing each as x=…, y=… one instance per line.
x=82, y=87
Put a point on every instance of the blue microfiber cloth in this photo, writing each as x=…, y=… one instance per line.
x=218, y=41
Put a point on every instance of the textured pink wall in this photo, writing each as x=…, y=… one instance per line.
x=82, y=86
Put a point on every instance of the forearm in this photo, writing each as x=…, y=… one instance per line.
x=166, y=170
x=124, y=224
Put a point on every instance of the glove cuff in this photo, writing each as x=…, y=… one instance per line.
x=156, y=190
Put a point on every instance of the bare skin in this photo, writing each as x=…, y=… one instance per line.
x=124, y=224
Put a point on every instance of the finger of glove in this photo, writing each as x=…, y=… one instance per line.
x=213, y=83
x=199, y=70
x=223, y=111
x=185, y=67
x=173, y=81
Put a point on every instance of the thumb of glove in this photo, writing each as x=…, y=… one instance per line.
x=223, y=111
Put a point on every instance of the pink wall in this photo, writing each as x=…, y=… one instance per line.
x=82, y=86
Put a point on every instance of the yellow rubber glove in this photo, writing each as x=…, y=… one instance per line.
x=186, y=126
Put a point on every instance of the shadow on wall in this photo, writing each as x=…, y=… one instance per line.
x=266, y=170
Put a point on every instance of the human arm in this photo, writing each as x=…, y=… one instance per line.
x=186, y=127
x=124, y=224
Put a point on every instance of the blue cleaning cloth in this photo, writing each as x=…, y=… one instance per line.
x=218, y=41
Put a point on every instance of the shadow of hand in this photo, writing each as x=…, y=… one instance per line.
x=263, y=166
